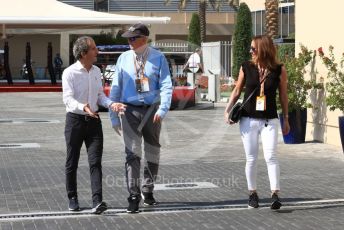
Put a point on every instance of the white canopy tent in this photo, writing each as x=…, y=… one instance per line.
x=259, y=5
x=55, y=14
x=43, y=21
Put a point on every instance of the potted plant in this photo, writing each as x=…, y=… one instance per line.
x=335, y=86
x=298, y=92
x=181, y=80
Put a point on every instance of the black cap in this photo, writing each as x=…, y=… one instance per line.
x=136, y=30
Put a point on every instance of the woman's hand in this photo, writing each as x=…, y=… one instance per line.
x=286, y=127
x=226, y=115
x=234, y=96
x=227, y=120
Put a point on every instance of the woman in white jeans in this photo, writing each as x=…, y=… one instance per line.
x=262, y=77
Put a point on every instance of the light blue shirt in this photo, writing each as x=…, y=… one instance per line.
x=123, y=87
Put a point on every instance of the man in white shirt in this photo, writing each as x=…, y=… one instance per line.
x=194, y=67
x=82, y=92
x=194, y=64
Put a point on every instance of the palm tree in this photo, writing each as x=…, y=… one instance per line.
x=271, y=18
x=202, y=8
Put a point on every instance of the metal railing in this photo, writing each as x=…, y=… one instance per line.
x=172, y=46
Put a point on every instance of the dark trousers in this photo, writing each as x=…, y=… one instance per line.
x=79, y=129
x=58, y=72
x=133, y=141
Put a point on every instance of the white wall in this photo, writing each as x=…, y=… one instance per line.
x=255, y=5
x=318, y=25
x=39, y=50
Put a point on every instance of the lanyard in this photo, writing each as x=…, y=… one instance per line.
x=140, y=66
x=263, y=73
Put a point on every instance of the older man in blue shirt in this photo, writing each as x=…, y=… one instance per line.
x=142, y=81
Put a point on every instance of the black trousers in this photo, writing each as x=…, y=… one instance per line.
x=58, y=72
x=79, y=129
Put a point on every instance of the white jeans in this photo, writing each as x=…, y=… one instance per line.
x=250, y=129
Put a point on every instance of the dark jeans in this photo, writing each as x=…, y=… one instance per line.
x=79, y=129
x=133, y=139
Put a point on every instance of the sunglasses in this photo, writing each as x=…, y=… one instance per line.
x=252, y=49
x=132, y=39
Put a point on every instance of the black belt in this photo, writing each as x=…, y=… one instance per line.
x=145, y=106
x=82, y=117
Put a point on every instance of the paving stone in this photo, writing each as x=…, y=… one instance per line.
x=197, y=147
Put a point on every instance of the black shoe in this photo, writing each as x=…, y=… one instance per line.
x=275, y=202
x=148, y=198
x=73, y=204
x=253, y=200
x=134, y=202
x=99, y=208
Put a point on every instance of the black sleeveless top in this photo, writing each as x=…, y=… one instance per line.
x=251, y=76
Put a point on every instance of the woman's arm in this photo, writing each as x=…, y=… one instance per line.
x=235, y=94
x=283, y=95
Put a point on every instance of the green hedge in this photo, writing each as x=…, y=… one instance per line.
x=194, y=37
x=242, y=38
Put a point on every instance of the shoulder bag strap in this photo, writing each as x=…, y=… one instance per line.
x=248, y=98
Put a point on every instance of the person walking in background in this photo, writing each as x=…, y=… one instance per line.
x=194, y=63
x=142, y=81
x=194, y=66
x=259, y=115
x=82, y=92
x=58, y=65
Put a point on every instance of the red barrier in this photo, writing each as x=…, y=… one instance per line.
x=183, y=97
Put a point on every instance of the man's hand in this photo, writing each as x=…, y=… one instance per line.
x=118, y=129
x=88, y=110
x=157, y=118
x=118, y=107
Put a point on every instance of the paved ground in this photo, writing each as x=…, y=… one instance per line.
x=197, y=147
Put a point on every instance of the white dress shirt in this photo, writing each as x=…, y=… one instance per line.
x=81, y=87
